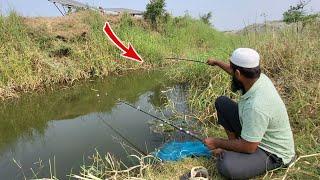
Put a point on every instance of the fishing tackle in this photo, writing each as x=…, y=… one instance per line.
x=176, y=127
x=183, y=59
x=124, y=138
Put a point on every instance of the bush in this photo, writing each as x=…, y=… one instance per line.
x=297, y=14
x=206, y=18
x=155, y=11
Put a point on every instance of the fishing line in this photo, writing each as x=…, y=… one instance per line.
x=176, y=127
x=183, y=59
x=58, y=8
x=124, y=138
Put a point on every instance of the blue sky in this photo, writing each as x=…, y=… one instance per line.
x=228, y=14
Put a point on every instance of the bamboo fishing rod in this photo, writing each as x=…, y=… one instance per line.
x=184, y=59
x=176, y=127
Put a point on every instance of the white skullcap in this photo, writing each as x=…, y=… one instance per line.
x=245, y=57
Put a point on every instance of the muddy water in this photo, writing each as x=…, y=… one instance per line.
x=62, y=128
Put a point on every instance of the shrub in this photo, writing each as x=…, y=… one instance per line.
x=155, y=11
x=297, y=14
x=206, y=18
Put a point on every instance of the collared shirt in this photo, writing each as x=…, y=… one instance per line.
x=264, y=119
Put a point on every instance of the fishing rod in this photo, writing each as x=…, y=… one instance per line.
x=176, y=127
x=183, y=59
x=124, y=138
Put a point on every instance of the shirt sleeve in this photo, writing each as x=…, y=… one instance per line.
x=254, y=125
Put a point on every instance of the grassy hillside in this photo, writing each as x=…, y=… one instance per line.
x=39, y=52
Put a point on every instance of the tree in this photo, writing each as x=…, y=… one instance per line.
x=295, y=13
x=206, y=18
x=155, y=11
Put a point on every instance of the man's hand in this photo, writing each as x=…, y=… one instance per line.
x=237, y=145
x=210, y=142
x=217, y=152
x=212, y=62
x=225, y=66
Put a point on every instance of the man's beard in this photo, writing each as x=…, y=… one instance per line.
x=236, y=85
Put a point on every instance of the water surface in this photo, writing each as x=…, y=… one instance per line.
x=67, y=126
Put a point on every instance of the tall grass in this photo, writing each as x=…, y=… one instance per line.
x=19, y=56
x=40, y=52
x=291, y=60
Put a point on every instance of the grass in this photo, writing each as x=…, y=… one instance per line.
x=147, y=168
x=47, y=55
x=40, y=52
x=291, y=60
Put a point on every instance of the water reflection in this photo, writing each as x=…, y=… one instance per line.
x=66, y=126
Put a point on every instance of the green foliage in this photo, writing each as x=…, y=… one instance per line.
x=19, y=57
x=297, y=14
x=33, y=58
x=126, y=20
x=155, y=11
x=206, y=18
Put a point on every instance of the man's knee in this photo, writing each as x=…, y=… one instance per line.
x=224, y=168
x=220, y=101
x=227, y=167
x=219, y=104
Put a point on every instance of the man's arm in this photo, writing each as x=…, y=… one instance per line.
x=225, y=66
x=237, y=145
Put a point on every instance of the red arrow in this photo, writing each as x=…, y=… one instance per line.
x=129, y=52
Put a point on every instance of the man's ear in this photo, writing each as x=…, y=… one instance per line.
x=237, y=74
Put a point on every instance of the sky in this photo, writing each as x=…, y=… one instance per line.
x=227, y=14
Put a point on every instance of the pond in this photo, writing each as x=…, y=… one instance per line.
x=62, y=128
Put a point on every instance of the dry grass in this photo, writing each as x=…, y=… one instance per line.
x=148, y=167
x=67, y=27
x=40, y=52
x=291, y=60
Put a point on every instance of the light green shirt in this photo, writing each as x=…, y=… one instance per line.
x=264, y=119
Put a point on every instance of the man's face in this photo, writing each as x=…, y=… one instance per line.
x=236, y=85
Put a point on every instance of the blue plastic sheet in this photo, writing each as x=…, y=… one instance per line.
x=174, y=151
